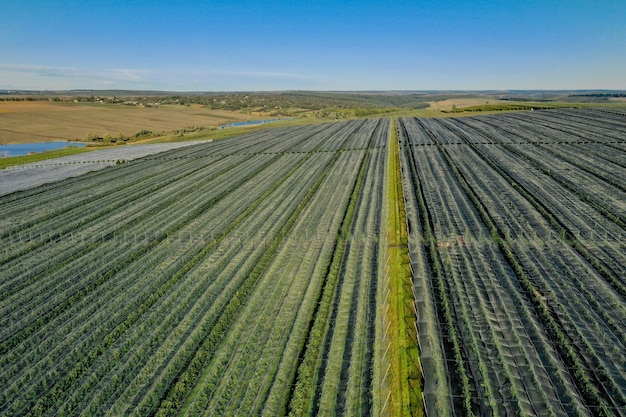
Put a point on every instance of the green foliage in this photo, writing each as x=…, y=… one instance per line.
x=364, y=112
x=405, y=378
x=510, y=107
x=305, y=380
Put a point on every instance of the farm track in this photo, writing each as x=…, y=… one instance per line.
x=243, y=276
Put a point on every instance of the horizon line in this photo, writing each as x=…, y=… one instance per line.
x=76, y=90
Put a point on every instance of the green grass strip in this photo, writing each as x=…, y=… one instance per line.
x=405, y=378
x=19, y=160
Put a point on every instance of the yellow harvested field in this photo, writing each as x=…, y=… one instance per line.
x=38, y=121
x=446, y=105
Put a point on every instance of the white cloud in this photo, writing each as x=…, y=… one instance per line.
x=34, y=77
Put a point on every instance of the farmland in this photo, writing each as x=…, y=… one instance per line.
x=202, y=280
x=517, y=229
x=251, y=275
x=36, y=121
x=117, y=117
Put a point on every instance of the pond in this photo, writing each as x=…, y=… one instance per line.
x=19, y=149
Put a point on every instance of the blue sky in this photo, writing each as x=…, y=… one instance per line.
x=242, y=45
